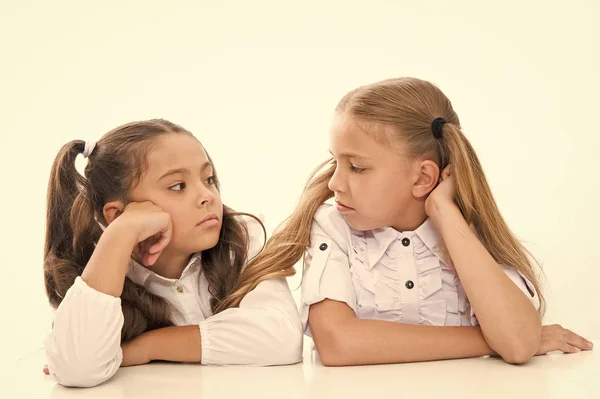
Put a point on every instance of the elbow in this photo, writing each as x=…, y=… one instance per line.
x=77, y=380
x=79, y=370
x=332, y=350
x=291, y=354
x=517, y=356
x=291, y=347
x=288, y=349
x=78, y=375
x=332, y=359
x=84, y=347
x=516, y=344
x=521, y=349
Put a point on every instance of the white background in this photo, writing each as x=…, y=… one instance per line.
x=257, y=81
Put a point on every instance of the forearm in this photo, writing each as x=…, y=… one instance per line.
x=106, y=269
x=509, y=321
x=362, y=342
x=175, y=344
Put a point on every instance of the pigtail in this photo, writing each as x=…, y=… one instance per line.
x=70, y=227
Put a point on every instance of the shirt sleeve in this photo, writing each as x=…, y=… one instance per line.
x=524, y=285
x=84, y=347
x=264, y=330
x=326, y=271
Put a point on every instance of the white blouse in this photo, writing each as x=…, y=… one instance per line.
x=84, y=347
x=388, y=275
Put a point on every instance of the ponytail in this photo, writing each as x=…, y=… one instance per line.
x=476, y=202
x=70, y=226
x=289, y=242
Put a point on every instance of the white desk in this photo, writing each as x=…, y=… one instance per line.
x=573, y=376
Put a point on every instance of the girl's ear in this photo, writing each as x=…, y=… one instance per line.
x=112, y=210
x=427, y=179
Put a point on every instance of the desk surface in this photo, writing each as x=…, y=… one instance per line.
x=551, y=376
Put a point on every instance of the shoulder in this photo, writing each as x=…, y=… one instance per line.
x=329, y=222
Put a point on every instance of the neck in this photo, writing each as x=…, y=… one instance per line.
x=170, y=264
x=411, y=217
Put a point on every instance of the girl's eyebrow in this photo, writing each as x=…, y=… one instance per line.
x=184, y=171
x=351, y=155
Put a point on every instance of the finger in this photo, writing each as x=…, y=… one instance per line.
x=542, y=352
x=152, y=240
x=151, y=260
x=577, y=340
x=164, y=240
x=141, y=253
x=147, y=245
x=447, y=171
x=552, y=331
x=154, y=250
x=138, y=251
x=566, y=348
x=155, y=239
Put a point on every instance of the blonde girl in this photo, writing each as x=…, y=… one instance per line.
x=413, y=262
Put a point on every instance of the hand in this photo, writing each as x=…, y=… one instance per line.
x=151, y=225
x=554, y=338
x=444, y=193
x=136, y=351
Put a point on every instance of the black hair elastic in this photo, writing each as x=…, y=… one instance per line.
x=436, y=127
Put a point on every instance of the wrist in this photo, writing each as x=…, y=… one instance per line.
x=146, y=347
x=121, y=231
x=440, y=209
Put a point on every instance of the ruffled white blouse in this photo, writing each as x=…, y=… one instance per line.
x=386, y=274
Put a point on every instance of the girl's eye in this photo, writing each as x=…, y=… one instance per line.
x=177, y=187
x=356, y=169
x=210, y=181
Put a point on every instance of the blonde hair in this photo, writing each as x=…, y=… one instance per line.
x=409, y=106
